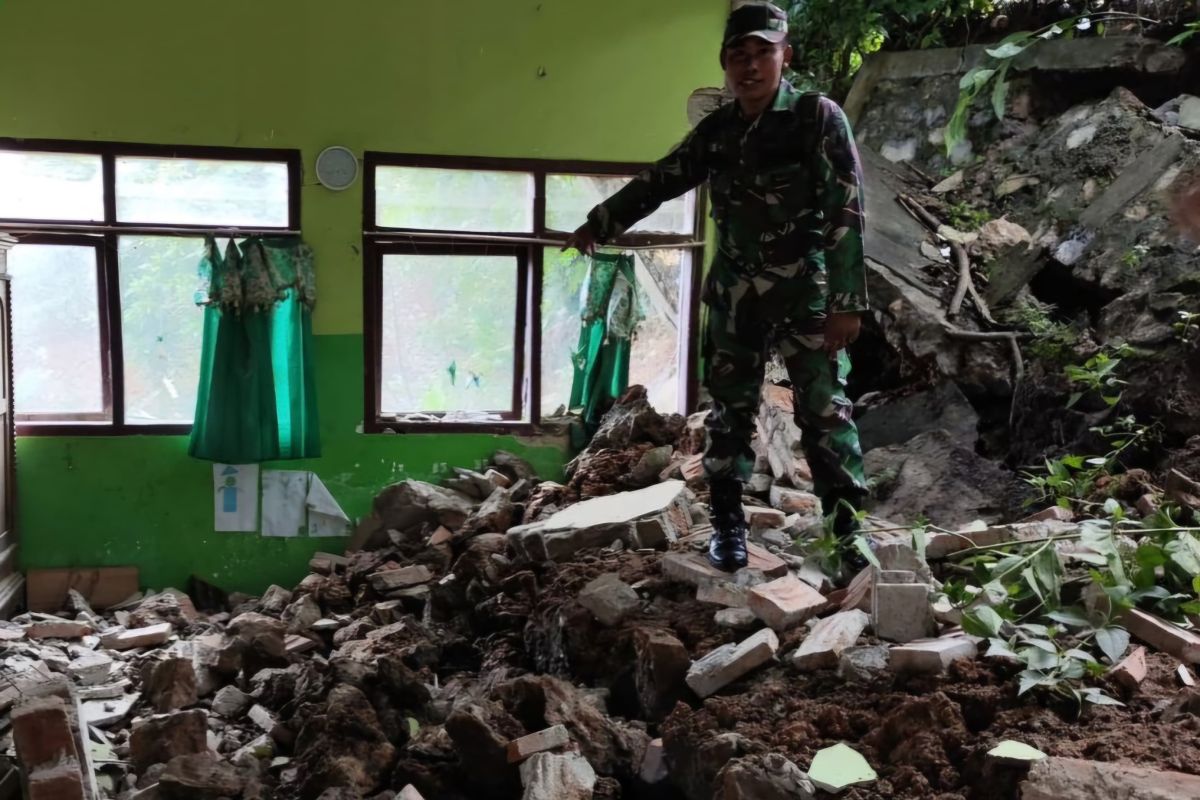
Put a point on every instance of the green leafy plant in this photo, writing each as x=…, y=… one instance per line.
x=1189, y=30
x=1069, y=481
x=1097, y=374
x=994, y=71
x=1054, y=341
x=1187, y=326
x=965, y=217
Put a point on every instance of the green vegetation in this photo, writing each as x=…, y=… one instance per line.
x=1097, y=374
x=1072, y=480
x=1055, y=342
x=966, y=217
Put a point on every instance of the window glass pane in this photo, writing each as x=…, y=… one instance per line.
x=655, y=355
x=562, y=281
x=453, y=199
x=448, y=326
x=161, y=327
x=569, y=198
x=190, y=191
x=56, y=330
x=54, y=186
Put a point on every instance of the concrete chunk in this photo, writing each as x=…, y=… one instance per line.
x=90, y=669
x=1075, y=779
x=654, y=763
x=549, y=776
x=729, y=662
x=828, y=638
x=540, y=742
x=738, y=619
x=901, y=612
x=785, y=602
x=149, y=636
x=723, y=593
x=931, y=656
x=609, y=599
x=600, y=520
x=863, y=664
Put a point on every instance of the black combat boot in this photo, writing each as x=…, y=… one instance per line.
x=843, y=505
x=727, y=547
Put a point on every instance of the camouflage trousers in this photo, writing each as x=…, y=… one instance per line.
x=789, y=317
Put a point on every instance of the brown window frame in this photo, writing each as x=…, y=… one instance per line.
x=379, y=240
x=105, y=235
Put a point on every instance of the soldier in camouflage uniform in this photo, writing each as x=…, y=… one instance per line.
x=786, y=190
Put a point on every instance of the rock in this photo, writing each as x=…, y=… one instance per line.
x=480, y=733
x=158, y=739
x=496, y=515
x=1147, y=505
x=199, y=776
x=738, y=619
x=784, y=602
x=767, y=777
x=943, y=544
x=394, y=579
x=998, y=234
x=1189, y=112
x=935, y=476
x=950, y=184
x=548, y=739
x=1131, y=671
x=1075, y=779
x=409, y=504
x=170, y=605
x=139, y=637
x=597, y=522
x=609, y=599
x=275, y=599
x=302, y=613
x=345, y=746
x=651, y=465
x=932, y=656
x=827, y=639
x=106, y=713
x=475, y=485
x=944, y=408
x=835, y=769
x=659, y=673
x=548, y=776
x=90, y=669
x=1055, y=513
x=231, y=703
x=172, y=685
x=654, y=764
x=863, y=664
x=901, y=612
x=729, y=662
x=858, y=593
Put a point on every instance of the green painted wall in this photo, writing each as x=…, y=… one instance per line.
x=554, y=79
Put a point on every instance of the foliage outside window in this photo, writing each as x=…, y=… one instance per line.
x=106, y=330
x=473, y=315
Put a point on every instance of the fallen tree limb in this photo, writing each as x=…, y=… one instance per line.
x=922, y=215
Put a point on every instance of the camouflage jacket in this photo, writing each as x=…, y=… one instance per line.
x=786, y=195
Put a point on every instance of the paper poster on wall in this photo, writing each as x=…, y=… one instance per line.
x=284, y=502
x=235, y=497
x=325, y=515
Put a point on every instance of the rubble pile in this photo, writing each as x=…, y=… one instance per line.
x=493, y=639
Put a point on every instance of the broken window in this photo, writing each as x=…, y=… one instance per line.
x=106, y=330
x=473, y=313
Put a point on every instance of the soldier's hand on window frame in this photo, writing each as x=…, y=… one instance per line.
x=582, y=240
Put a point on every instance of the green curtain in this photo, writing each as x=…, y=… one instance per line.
x=257, y=394
x=609, y=316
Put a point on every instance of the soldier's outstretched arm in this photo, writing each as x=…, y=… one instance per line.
x=841, y=190
x=680, y=170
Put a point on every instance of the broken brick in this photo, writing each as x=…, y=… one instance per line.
x=785, y=602
x=859, y=592
x=828, y=638
x=548, y=739
x=729, y=662
x=1131, y=671
x=172, y=685
x=62, y=629
x=901, y=612
x=1162, y=635
x=931, y=656
x=795, y=501
x=138, y=637
x=42, y=732
x=59, y=782
x=762, y=518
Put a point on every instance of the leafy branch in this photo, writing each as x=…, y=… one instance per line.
x=994, y=70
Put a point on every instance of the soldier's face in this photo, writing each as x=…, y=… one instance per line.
x=754, y=67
